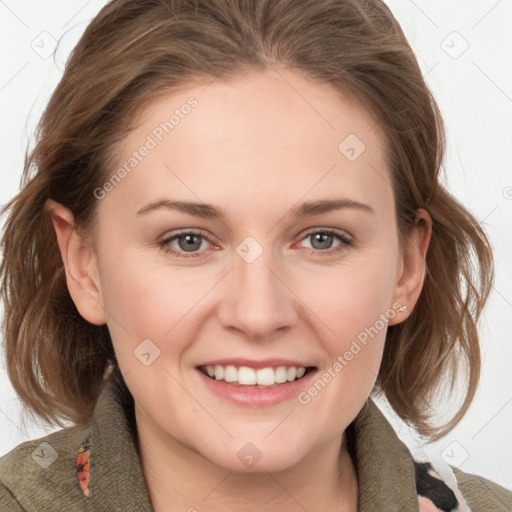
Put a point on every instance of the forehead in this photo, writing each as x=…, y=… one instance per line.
x=274, y=135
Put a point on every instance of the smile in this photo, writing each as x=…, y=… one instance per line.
x=262, y=377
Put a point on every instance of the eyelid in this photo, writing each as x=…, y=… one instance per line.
x=331, y=231
x=345, y=242
x=345, y=239
x=169, y=237
x=187, y=231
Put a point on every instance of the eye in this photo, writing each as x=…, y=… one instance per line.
x=186, y=244
x=322, y=239
x=190, y=244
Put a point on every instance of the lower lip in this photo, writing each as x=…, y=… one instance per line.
x=253, y=396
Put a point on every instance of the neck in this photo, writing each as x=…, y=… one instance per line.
x=179, y=478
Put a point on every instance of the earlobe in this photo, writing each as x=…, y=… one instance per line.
x=412, y=265
x=80, y=264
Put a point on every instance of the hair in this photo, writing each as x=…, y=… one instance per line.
x=135, y=52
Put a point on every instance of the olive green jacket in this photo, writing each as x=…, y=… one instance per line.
x=96, y=468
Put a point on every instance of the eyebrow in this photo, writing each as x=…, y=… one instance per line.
x=208, y=211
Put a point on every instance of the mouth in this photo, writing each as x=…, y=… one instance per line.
x=247, y=377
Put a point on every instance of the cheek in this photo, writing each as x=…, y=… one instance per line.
x=147, y=299
x=141, y=304
x=140, y=291
x=352, y=296
x=354, y=308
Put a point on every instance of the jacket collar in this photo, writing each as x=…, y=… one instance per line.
x=117, y=481
x=384, y=465
x=114, y=480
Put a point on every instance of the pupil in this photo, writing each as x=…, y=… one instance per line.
x=324, y=236
x=189, y=245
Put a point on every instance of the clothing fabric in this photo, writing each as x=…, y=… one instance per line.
x=96, y=468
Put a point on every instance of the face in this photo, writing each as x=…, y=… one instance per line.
x=289, y=257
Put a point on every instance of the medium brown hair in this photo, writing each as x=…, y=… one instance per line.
x=132, y=53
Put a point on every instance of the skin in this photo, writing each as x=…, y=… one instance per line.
x=426, y=505
x=253, y=147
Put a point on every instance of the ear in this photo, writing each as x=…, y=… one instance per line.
x=80, y=263
x=412, y=265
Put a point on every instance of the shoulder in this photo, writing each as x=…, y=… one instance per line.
x=447, y=488
x=90, y=467
x=8, y=502
x=37, y=471
x=482, y=494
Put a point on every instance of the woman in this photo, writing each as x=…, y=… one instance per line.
x=231, y=236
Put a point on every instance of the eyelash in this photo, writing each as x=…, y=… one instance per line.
x=345, y=242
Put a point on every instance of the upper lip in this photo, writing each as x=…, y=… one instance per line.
x=251, y=363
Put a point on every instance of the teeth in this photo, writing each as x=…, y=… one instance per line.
x=281, y=375
x=230, y=373
x=291, y=373
x=249, y=376
x=246, y=376
x=266, y=377
x=219, y=372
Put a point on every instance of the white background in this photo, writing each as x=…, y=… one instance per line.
x=474, y=90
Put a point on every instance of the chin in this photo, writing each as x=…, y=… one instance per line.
x=247, y=457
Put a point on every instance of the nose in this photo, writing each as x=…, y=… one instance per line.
x=257, y=300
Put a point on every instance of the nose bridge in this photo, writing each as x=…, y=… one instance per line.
x=257, y=301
